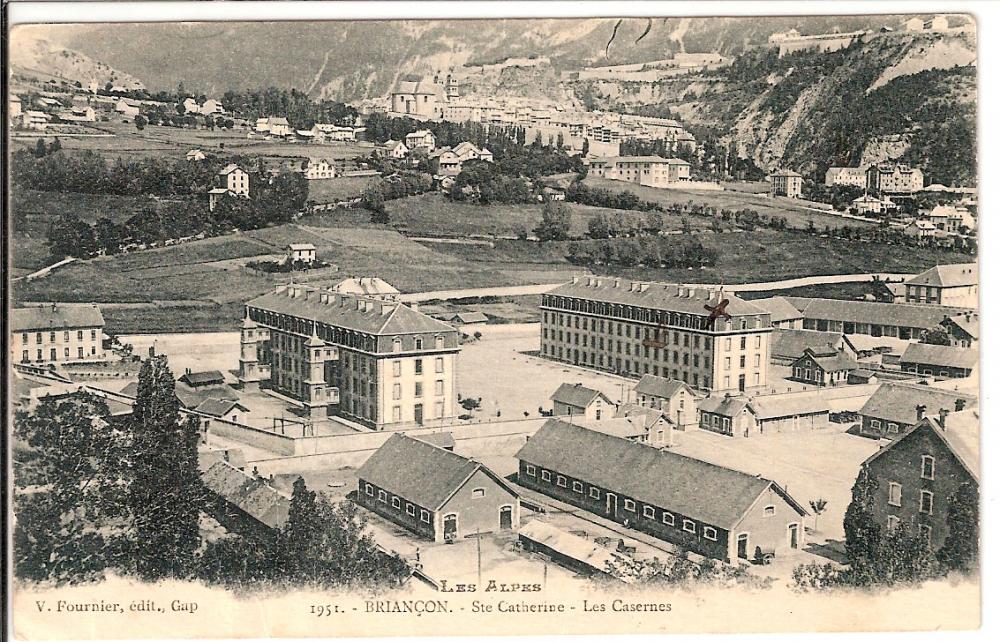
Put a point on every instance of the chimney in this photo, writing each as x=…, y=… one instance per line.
x=618, y=283
x=152, y=351
x=324, y=298
x=942, y=415
x=920, y=411
x=575, y=279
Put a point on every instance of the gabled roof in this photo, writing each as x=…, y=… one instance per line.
x=577, y=395
x=365, y=285
x=786, y=172
x=779, y=308
x=694, y=488
x=55, y=317
x=727, y=406
x=959, y=434
x=670, y=297
x=250, y=494
x=228, y=169
x=420, y=471
x=219, y=407
x=895, y=401
x=778, y=406
x=440, y=439
x=830, y=360
x=935, y=355
x=953, y=275
x=968, y=323
x=469, y=317
x=910, y=315
x=206, y=378
x=660, y=387
x=572, y=546
x=627, y=427
x=301, y=246
x=792, y=343
x=650, y=416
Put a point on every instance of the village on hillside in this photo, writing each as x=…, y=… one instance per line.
x=449, y=334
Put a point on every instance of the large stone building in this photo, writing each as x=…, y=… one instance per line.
x=651, y=171
x=898, y=179
x=57, y=334
x=372, y=361
x=638, y=328
x=785, y=182
x=417, y=96
x=853, y=176
x=954, y=285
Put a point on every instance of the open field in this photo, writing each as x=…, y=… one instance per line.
x=744, y=257
x=796, y=215
x=174, y=142
x=330, y=190
x=434, y=215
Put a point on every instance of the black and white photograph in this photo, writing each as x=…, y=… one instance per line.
x=326, y=326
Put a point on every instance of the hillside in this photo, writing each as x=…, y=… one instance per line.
x=361, y=59
x=33, y=56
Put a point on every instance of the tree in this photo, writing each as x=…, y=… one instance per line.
x=67, y=458
x=936, y=336
x=164, y=486
x=40, y=148
x=55, y=146
x=818, y=506
x=585, y=148
x=598, y=227
x=961, y=547
x=555, y=222
x=861, y=532
x=140, y=122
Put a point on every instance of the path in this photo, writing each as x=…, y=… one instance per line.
x=46, y=270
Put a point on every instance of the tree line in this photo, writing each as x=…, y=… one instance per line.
x=97, y=494
x=301, y=110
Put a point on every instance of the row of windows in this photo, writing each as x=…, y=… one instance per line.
x=418, y=389
x=53, y=354
x=397, y=503
x=617, y=365
x=896, y=498
x=418, y=343
x=635, y=313
x=418, y=366
x=648, y=512
x=52, y=336
x=892, y=523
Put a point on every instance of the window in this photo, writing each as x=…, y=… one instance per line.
x=65, y=335
x=895, y=494
x=382, y=496
x=876, y=423
x=66, y=353
x=578, y=486
x=395, y=503
x=410, y=510
x=546, y=476
x=397, y=368
x=768, y=511
x=52, y=337
x=689, y=526
x=418, y=389
x=892, y=523
x=927, y=467
x=418, y=366
x=397, y=345
x=425, y=516
x=439, y=387
x=595, y=492
x=79, y=352
x=649, y=511
x=439, y=364
x=927, y=502
x=38, y=338
x=529, y=470
x=397, y=391
x=710, y=533
x=478, y=493
x=630, y=505
x=369, y=490
x=893, y=427
x=668, y=518
x=418, y=344
x=24, y=337
x=560, y=481
x=397, y=413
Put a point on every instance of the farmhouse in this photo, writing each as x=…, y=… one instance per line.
x=421, y=139
x=435, y=493
x=870, y=205
x=319, y=168
x=300, y=253
x=707, y=509
x=896, y=407
x=918, y=475
x=195, y=155
x=395, y=149
x=824, y=366
x=940, y=361
x=577, y=400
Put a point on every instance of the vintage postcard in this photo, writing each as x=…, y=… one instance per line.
x=503, y=326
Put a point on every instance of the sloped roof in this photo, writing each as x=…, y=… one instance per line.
x=777, y=406
x=626, y=427
x=419, y=471
x=895, y=401
x=968, y=323
x=439, y=439
x=786, y=172
x=960, y=434
x=792, y=343
x=231, y=167
x=949, y=356
x=301, y=246
x=573, y=546
x=779, y=308
x=832, y=361
x=251, y=495
x=205, y=378
x=910, y=315
x=470, y=317
x=727, y=406
x=341, y=310
x=650, y=416
x=660, y=387
x=670, y=297
x=365, y=285
x=219, y=407
x=55, y=317
x=953, y=275
x=577, y=395
x=694, y=488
